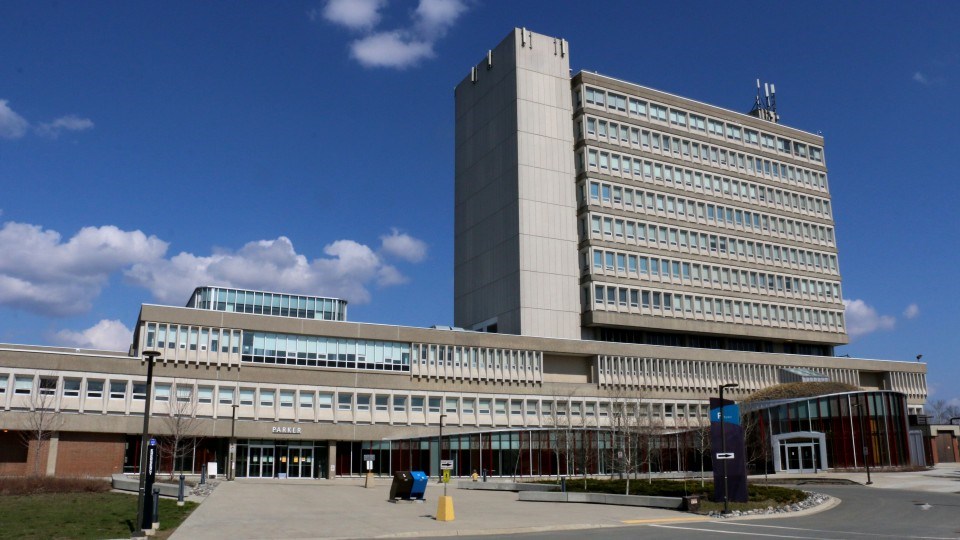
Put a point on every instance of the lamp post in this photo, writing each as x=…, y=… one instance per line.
x=440, y=448
x=142, y=500
x=863, y=439
x=723, y=449
x=232, y=466
x=950, y=422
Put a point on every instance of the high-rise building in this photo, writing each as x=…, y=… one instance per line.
x=680, y=223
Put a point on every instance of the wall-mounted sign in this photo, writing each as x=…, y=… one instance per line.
x=286, y=430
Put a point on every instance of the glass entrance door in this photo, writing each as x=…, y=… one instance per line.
x=799, y=457
x=299, y=462
x=260, y=463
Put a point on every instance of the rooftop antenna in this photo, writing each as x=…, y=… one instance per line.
x=765, y=105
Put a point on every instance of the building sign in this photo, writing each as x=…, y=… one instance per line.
x=285, y=430
x=731, y=460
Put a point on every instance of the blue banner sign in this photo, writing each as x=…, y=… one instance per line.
x=731, y=414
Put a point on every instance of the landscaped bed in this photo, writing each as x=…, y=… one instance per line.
x=760, y=496
x=36, y=507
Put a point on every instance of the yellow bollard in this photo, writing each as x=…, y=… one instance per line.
x=445, y=508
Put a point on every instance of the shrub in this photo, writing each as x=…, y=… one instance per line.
x=33, y=485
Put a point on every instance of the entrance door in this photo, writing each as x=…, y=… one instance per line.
x=806, y=459
x=260, y=464
x=799, y=458
x=299, y=462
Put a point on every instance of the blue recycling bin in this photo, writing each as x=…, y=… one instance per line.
x=420, y=481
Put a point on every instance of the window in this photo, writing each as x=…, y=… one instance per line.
x=23, y=385
x=267, y=398
x=286, y=398
x=325, y=401
x=246, y=396
x=484, y=407
x=500, y=406
x=161, y=392
x=434, y=405
x=306, y=400
x=363, y=402
x=48, y=386
x=139, y=391
x=416, y=404
x=95, y=389
x=118, y=389
x=516, y=407
x=184, y=393
x=226, y=396
x=344, y=402
x=450, y=405
x=205, y=394
x=3, y=384
x=400, y=404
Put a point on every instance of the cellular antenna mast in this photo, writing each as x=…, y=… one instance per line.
x=765, y=105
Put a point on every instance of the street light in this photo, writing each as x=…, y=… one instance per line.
x=440, y=448
x=149, y=357
x=723, y=449
x=863, y=439
x=950, y=422
x=232, y=467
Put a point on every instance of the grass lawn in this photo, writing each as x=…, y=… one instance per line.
x=80, y=515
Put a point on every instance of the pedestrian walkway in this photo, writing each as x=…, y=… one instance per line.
x=943, y=478
x=344, y=509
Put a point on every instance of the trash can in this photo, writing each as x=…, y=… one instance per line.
x=419, y=485
x=401, y=486
x=691, y=503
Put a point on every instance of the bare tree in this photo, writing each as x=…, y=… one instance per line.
x=701, y=443
x=625, y=433
x=562, y=434
x=42, y=419
x=937, y=409
x=181, y=426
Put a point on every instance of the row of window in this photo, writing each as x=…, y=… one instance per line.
x=630, y=265
x=670, y=304
x=695, y=210
x=193, y=394
x=662, y=144
x=283, y=305
x=665, y=174
x=192, y=338
x=315, y=351
x=680, y=119
x=626, y=231
x=478, y=363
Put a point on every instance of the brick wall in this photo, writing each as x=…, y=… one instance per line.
x=90, y=454
x=16, y=459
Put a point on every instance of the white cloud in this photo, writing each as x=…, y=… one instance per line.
x=41, y=273
x=64, y=123
x=912, y=311
x=435, y=17
x=403, y=246
x=397, y=48
x=354, y=14
x=920, y=78
x=347, y=270
x=12, y=125
x=863, y=319
x=109, y=335
x=390, y=49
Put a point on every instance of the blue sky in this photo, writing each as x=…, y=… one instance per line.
x=146, y=148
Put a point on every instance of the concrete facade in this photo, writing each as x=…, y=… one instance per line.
x=515, y=249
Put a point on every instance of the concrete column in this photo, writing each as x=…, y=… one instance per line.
x=331, y=459
x=52, y=447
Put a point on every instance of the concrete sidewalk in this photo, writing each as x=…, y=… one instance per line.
x=344, y=509
x=943, y=478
